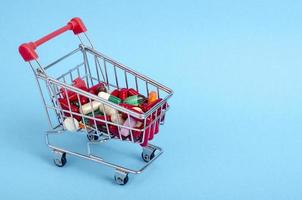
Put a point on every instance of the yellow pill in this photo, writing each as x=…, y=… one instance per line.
x=152, y=96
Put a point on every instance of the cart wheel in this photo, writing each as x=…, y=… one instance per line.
x=148, y=153
x=61, y=161
x=93, y=137
x=121, y=178
x=147, y=157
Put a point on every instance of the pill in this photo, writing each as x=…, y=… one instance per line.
x=138, y=109
x=134, y=100
x=98, y=121
x=84, y=126
x=129, y=122
x=132, y=92
x=117, y=119
x=65, y=106
x=90, y=107
x=107, y=110
x=113, y=130
x=79, y=83
x=147, y=106
x=152, y=96
x=109, y=97
x=115, y=93
x=132, y=107
x=83, y=100
x=123, y=93
x=138, y=124
x=71, y=124
x=100, y=87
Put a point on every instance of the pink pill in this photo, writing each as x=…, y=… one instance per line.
x=128, y=123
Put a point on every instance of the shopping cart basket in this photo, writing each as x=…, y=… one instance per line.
x=70, y=101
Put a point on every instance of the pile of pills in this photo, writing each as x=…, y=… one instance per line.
x=127, y=98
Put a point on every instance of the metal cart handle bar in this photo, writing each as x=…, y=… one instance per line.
x=27, y=50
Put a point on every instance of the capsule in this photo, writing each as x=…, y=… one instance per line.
x=132, y=108
x=115, y=93
x=113, y=129
x=132, y=92
x=100, y=87
x=129, y=122
x=147, y=106
x=90, y=107
x=117, y=119
x=79, y=83
x=107, y=110
x=134, y=100
x=123, y=94
x=83, y=100
x=72, y=96
x=152, y=96
x=71, y=124
x=64, y=105
x=109, y=97
x=100, y=123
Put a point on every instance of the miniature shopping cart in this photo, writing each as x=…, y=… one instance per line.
x=92, y=68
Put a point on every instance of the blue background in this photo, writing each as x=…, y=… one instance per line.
x=234, y=128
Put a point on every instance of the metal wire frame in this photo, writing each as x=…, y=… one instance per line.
x=54, y=86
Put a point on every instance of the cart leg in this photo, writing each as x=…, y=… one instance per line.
x=121, y=177
x=60, y=158
x=148, y=153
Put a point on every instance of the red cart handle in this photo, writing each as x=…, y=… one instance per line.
x=27, y=50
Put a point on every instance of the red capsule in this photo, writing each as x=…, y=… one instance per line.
x=73, y=108
x=79, y=83
x=115, y=93
x=137, y=135
x=132, y=92
x=123, y=93
x=100, y=123
x=113, y=130
x=72, y=96
x=147, y=106
x=65, y=106
x=100, y=87
x=83, y=100
x=68, y=93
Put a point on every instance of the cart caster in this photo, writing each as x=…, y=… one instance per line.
x=93, y=137
x=148, y=153
x=60, y=158
x=120, y=177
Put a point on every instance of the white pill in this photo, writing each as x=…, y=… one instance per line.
x=104, y=95
x=138, y=109
x=71, y=124
x=117, y=119
x=108, y=110
x=90, y=107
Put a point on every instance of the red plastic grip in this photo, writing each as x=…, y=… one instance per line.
x=27, y=50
